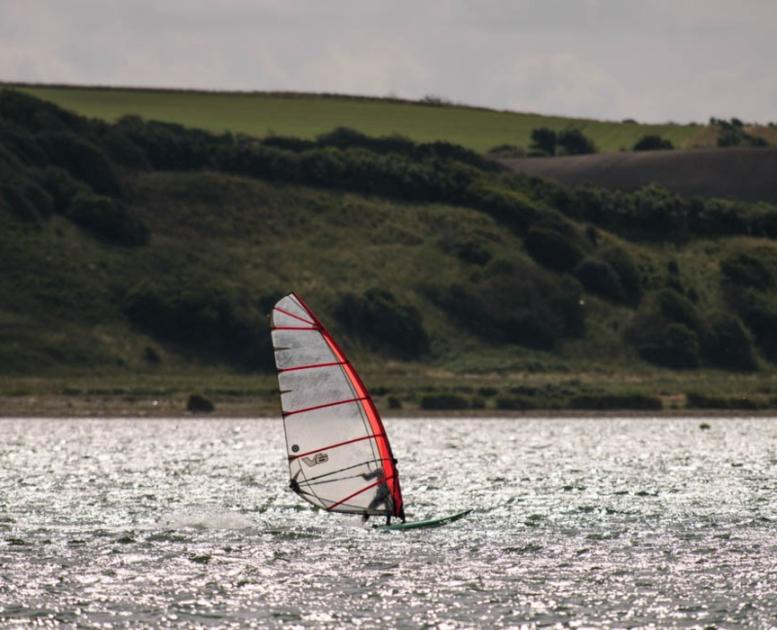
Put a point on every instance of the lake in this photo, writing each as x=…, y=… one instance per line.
x=578, y=522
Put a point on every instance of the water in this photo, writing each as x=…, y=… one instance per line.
x=578, y=522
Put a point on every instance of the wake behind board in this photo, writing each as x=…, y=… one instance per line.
x=428, y=523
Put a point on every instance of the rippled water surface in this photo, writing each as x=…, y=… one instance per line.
x=616, y=522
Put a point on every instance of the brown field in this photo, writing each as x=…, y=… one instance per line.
x=745, y=174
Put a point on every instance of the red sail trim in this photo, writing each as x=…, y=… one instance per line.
x=358, y=492
x=309, y=367
x=331, y=404
x=384, y=448
x=326, y=448
x=285, y=312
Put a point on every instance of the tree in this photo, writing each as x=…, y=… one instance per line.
x=543, y=141
x=652, y=142
x=574, y=142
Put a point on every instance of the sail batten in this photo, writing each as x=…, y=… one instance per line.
x=331, y=423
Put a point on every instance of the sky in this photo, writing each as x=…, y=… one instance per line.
x=652, y=60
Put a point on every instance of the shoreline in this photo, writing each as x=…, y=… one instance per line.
x=13, y=407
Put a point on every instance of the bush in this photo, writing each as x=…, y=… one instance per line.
x=543, y=141
x=599, y=278
x=652, y=142
x=760, y=315
x=673, y=345
x=13, y=196
x=574, y=142
x=197, y=403
x=727, y=344
x=703, y=401
x=83, y=160
x=506, y=151
x=518, y=306
x=444, y=402
x=628, y=274
x=552, y=249
x=107, y=219
x=124, y=151
x=207, y=322
x=632, y=402
x=677, y=308
x=468, y=249
x=517, y=403
x=746, y=270
x=379, y=319
x=61, y=186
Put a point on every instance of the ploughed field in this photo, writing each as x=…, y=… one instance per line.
x=745, y=174
x=616, y=522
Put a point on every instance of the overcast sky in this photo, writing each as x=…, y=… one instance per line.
x=653, y=60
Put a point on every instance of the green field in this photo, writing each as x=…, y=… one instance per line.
x=307, y=116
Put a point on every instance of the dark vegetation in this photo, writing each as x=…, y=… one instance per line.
x=177, y=242
x=733, y=133
x=547, y=142
x=652, y=142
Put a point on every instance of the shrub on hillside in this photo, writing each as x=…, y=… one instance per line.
x=599, y=278
x=469, y=249
x=22, y=144
x=61, y=186
x=122, y=149
x=727, y=343
x=626, y=269
x=759, y=312
x=652, y=142
x=746, y=270
x=679, y=309
x=379, y=319
x=288, y=143
x=21, y=198
x=553, y=249
x=107, y=219
x=207, y=322
x=520, y=306
x=670, y=345
x=82, y=159
x=35, y=114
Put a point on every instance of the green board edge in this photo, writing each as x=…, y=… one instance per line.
x=432, y=522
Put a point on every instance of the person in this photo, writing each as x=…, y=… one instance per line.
x=382, y=496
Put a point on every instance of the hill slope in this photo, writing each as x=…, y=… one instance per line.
x=147, y=253
x=308, y=115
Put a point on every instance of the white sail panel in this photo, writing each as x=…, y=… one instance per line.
x=298, y=348
x=308, y=387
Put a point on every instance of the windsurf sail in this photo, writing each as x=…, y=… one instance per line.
x=339, y=455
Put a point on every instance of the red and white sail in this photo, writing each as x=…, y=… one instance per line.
x=339, y=456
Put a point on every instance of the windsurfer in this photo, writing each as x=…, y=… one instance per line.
x=382, y=496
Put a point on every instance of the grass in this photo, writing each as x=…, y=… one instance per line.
x=308, y=115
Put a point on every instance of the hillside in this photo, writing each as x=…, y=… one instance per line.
x=735, y=173
x=140, y=260
x=308, y=115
